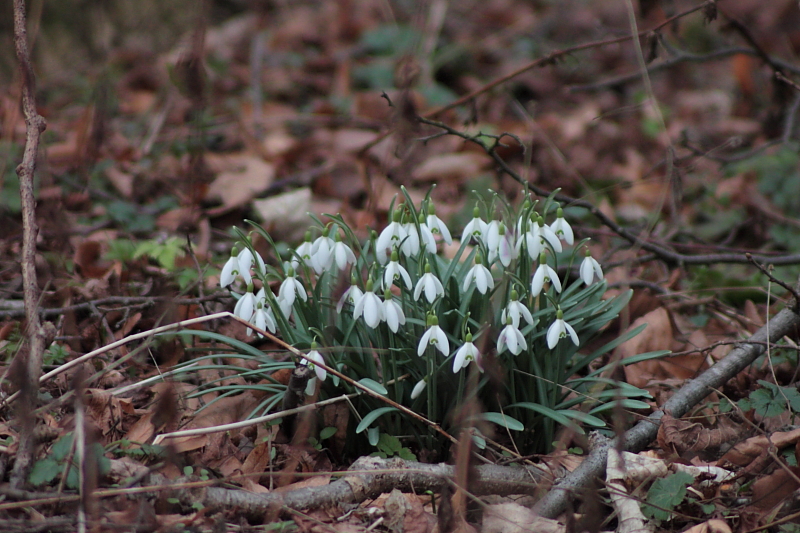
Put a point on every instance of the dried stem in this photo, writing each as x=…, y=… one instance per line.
x=35, y=332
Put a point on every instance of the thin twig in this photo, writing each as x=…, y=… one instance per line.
x=36, y=335
x=766, y=271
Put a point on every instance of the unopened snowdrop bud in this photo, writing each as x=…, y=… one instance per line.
x=590, y=268
x=436, y=225
x=230, y=270
x=434, y=335
x=560, y=329
x=561, y=228
x=418, y=388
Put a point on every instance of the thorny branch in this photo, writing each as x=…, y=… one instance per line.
x=670, y=257
x=36, y=334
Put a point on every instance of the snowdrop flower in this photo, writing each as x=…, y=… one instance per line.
x=514, y=310
x=559, y=329
x=322, y=252
x=436, y=225
x=535, y=238
x=342, y=254
x=246, y=259
x=246, y=305
x=500, y=244
x=561, y=228
x=468, y=352
x=262, y=319
x=392, y=312
x=511, y=337
x=476, y=227
x=481, y=275
x=410, y=244
x=391, y=237
x=589, y=268
x=290, y=289
x=544, y=273
x=370, y=307
x=314, y=357
x=394, y=271
x=418, y=388
x=230, y=270
x=303, y=253
x=351, y=295
x=430, y=284
x=434, y=335
x=426, y=235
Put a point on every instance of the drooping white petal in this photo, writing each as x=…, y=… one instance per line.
x=563, y=230
x=229, y=272
x=431, y=285
x=390, y=238
x=245, y=306
x=410, y=244
x=343, y=255
x=351, y=295
x=369, y=306
x=437, y=226
x=418, y=388
x=589, y=268
x=468, y=352
x=245, y=259
x=543, y=274
x=393, y=314
x=316, y=357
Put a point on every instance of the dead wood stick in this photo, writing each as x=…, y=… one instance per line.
x=35, y=332
x=692, y=393
x=370, y=477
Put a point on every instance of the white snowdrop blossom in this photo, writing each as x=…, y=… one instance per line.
x=303, y=253
x=476, y=227
x=342, y=254
x=390, y=238
x=516, y=310
x=418, y=388
x=535, y=238
x=230, y=270
x=410, y=244
x=426, y=236
x=246, y=259
x=468, y=352
x=370, y=307
x=351, y=295
x=436, y=225
x=392, y=312
x=262, y=319
x=562, y=229
x=434, y=335
x=500, y=244
x=395, y=271
x=314, y=357
x=560, y=329
x=246, y=305
x=511, y=337
x=430, y=285
x=543, y=274
x=322, y=252
x=481, y=275
x=590, y=268
x=290, y=289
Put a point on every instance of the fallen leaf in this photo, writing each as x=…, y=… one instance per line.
x=286, y=214
x=712, y=526
x=240, y=178
x=459, y=166
x=514, y=518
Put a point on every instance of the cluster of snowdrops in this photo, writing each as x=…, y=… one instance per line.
x=411, y=318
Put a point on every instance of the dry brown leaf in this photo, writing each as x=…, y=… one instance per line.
x=773, y=489
x=681, y=436
x=285, y=215
x=106, y=411
x=656, y=336
x=746, y=452
x=122, y=181
x=240, y=178
x=313, y=481
x=459, y=166
x=514, y=518
x=712, y=526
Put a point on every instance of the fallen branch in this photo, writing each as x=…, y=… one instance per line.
x=692, y=393
x=369, y=477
